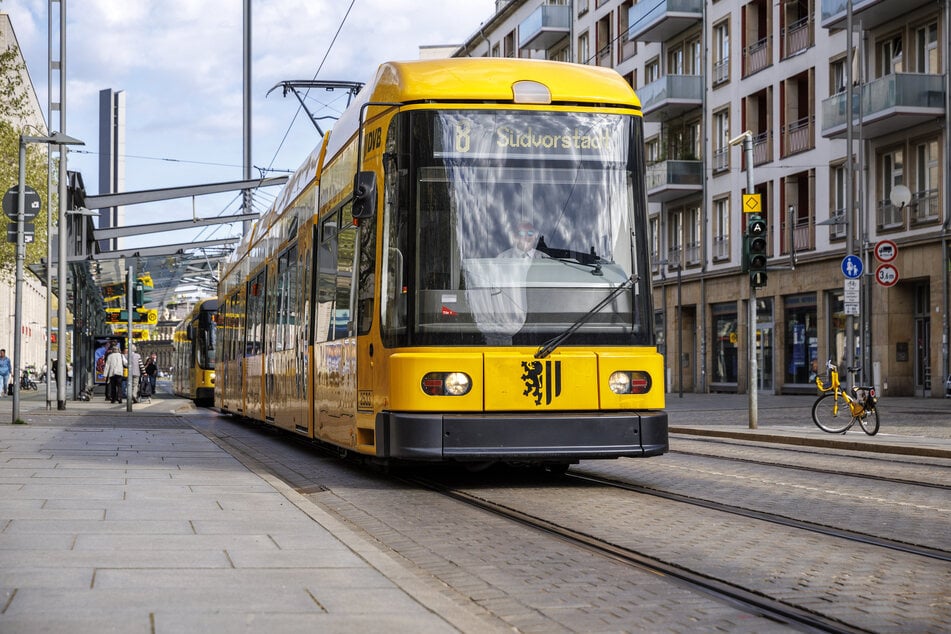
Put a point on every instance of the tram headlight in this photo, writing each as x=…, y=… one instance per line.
x=446, y=384
x=630, y=382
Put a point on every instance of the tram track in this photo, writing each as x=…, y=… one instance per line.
x=773, y=518
x=877, y=477
x=749, y=601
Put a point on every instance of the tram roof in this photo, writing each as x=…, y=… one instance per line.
x=492, y=78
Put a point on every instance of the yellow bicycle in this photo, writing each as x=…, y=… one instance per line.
x=829, y=411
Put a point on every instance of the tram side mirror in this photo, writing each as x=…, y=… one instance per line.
x=364, y=195
x=188, y=332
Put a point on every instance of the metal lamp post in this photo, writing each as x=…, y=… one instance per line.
x=746, y=138
x=57, y=138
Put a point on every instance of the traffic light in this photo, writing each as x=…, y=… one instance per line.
x=140, y=292
x=757, y=250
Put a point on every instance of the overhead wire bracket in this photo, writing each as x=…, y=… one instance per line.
x=296, y=85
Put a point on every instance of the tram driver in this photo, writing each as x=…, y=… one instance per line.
x=524, y=241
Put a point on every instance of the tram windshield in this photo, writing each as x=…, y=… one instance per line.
x=515, y=226
x=207, y=341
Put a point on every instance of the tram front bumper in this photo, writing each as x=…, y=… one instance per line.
x=521, y=435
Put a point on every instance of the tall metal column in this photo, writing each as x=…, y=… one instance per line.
x=850, y=178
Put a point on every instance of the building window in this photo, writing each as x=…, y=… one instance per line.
x=796, y=20
x=924, y=201
x=721, y=229
x=652, y=150
x=674, y=239
x=837, y=228
x=890, y=56
x=757, y=49
x=605, y=40
x=721, y=52
x=721, y=140
x=628, y=46
x=511, y=49
x=692, y=235
x=801, y=337
x=798, y=217
x=725, y=351
x=655, y=243
x=892, y=169
x=838, y=81
x=584, y=49
x=797, y=117
x=651, y=70
x=926, y=44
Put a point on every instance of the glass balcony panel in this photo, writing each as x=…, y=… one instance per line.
x=671, y=96
x=871, y=13
x=659, y=21
x=672, y=179
x=886, y=104
x=545, y=27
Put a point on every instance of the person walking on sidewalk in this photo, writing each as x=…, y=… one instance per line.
x=6, y=368
x=115, y=365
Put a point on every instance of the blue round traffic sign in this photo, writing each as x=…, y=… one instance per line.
x=852, y=266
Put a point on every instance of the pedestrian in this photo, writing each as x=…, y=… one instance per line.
x=115, y=367
x=6, y=368
x=136, y=369
x=151, y=370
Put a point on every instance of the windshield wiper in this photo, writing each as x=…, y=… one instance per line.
x=549, y=346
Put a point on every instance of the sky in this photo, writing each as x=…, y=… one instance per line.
x=180, y=62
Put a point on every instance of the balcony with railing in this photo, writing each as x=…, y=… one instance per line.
x=721, y=247
x=885, y=105
x=871, y=13
x=721, y=71
x=692, y=253
x=674, y=255
x=837, y=224
x=757, y=56
x=798, y=37
x=762, y=148
x=671, y=96
x=721, y=160
x=889, y=216
x=659, y=21
x=548, y=25
x=669, y=180
x=802, y=236
x=799, y=136
x=924, y=207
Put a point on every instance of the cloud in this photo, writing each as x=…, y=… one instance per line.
x=180, y=65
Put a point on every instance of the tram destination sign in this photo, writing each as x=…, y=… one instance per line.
x=499, y=135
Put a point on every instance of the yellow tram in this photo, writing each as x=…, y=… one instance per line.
x=459, y=272
x=194, y=344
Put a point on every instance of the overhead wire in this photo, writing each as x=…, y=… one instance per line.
x=316, y=73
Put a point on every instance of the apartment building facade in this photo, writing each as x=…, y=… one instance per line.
x=706, y=72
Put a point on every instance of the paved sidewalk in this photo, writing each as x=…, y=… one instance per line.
x=910, y=426
x=119, y=523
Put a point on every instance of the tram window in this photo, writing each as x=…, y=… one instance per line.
x=326, y=285
x=345, y=251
